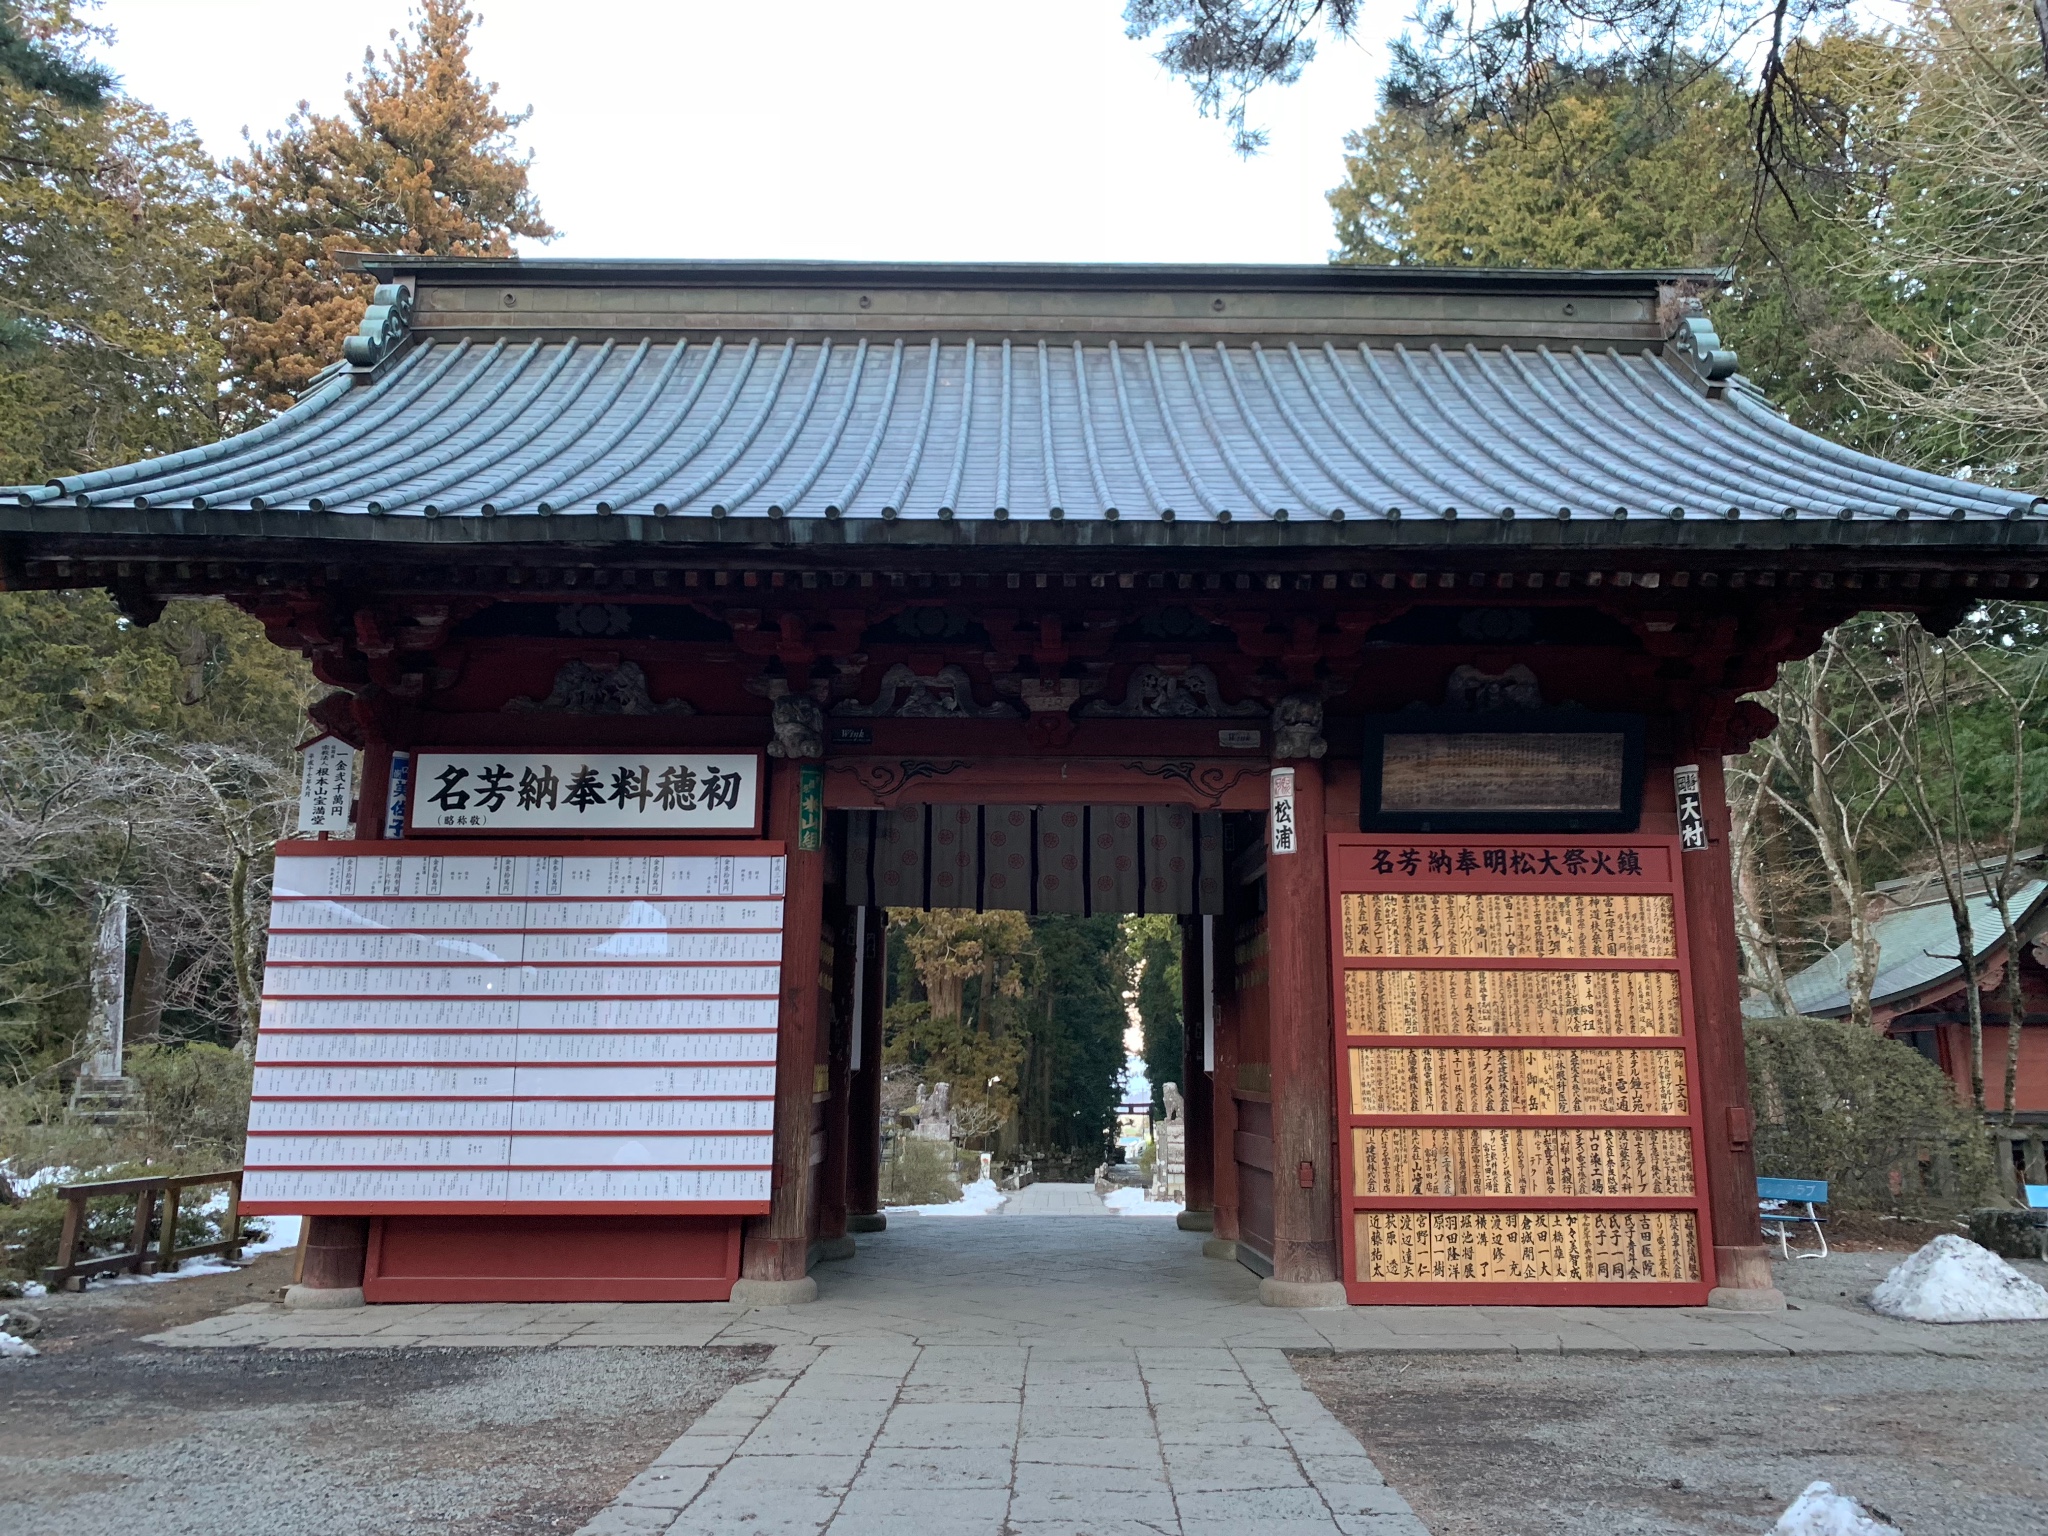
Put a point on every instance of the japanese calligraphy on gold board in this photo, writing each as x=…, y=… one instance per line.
x=1511, y=1003
x=1484, y=927
x=1528, y=1246
x=1448, y=1081
x=1501, y=771
x=1499, y=1160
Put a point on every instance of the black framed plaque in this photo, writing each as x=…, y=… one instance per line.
x=1538, y=770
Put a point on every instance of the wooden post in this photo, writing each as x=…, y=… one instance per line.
x=775, y=1259
x=864, y=1094
x=68, y=1238
x=833, y=1243
x=1742, y=1265
x=1304, y=1110
x=1196, y=1089
x=167, y=1242
x=335, y=1250
x=1222, y=1098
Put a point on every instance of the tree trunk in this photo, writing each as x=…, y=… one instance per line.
x=1759, y=944
x=248, y=986
x=146, y=996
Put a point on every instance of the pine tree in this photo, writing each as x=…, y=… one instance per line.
x=111, y=220
x=423, y=163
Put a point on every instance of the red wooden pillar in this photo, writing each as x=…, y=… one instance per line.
x=1304, y=1111
x=1742, y=1265
x=775, y=1257
x=337, y=1247
x=864, y=1094
x=1222, y=1100
x=1196, y=1089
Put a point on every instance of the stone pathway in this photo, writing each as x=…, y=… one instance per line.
x=1054, y=1200
x=1037, y=1440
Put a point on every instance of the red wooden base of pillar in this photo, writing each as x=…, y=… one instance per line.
x=552, y=1258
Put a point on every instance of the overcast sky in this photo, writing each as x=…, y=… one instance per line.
x=912, y=130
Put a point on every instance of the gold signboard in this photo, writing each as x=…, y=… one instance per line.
x=1503, y=771
x=1517, y=1061
x=1529, y=1247
x=1389, y=1002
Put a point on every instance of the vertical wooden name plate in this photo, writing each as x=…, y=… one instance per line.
x=1515, y=1061
x=536, y=1027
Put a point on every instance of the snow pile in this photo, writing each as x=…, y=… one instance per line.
x=1820, y=1511
x=1952, y=1280
x=279, y=1232
x=978, y=1199
x=26, y=1184
x=1135, y=1202
x=12, y=1348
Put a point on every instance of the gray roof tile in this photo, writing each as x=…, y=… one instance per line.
x=1031, y=428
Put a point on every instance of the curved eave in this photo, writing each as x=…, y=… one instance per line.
x=1646, y=538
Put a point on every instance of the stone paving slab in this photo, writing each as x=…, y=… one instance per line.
x=1209, y=1440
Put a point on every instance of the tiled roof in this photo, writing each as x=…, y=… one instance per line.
x=916, y=428
x=1916, y=951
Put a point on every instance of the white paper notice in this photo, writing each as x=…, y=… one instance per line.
x=326, y=786
x=552, y=1027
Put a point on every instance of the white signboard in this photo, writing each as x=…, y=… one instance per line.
x=1692, y=819
x=541, y=1026
x=326, y=767
x=602, y=792
x=1283, y=839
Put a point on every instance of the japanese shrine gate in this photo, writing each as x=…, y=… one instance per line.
x=1389, y=625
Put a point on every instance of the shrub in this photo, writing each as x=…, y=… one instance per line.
x=919, y=1171
x=196, y=1096
x=1839, y=1102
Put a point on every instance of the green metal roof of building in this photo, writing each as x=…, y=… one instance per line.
x=1311, y=431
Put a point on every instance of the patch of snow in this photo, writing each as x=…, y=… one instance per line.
x=1820, y=1511
x=1135, y=1202
x=26, y=1184
x=30, y=1289
x=977, y=1199
x=12, y=1348
x=1952, y=1280
x=279, y=1232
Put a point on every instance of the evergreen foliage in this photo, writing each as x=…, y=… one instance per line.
x=1024, y=1017
x=1154, y=942
x=1649, y=165
x=112, y=224
x=423, y=162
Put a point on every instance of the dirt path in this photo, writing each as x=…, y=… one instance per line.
x=106, y=1433
x=1495, y=1445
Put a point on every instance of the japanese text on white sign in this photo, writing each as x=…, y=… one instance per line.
x=605, y=792
x=325, y=770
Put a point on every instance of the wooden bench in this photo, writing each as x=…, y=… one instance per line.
x=71, y=1272
x=1776, y=1200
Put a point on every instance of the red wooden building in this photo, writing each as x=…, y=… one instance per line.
x=1389, y=625
x=1917, y=995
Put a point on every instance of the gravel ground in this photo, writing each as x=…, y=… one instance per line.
x=1493, y=1445
x=104, y=1433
